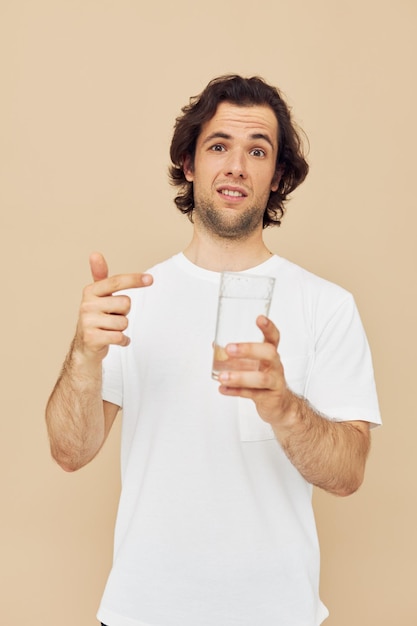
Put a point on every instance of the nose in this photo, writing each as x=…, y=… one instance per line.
x=236, y=164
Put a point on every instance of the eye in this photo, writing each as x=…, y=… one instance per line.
x=258, y=152
x=218, y=147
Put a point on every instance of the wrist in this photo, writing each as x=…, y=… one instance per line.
x=84, y=363
x=292, y=415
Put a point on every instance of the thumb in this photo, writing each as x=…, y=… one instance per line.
x=98, y=266
x=269, y=330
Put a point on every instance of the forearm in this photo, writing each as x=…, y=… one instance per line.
x=74, y=413
x=330, y=455
x=77, y=419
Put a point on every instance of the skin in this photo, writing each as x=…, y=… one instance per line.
x=236, y=151
x=78, y=421
x=233, y=173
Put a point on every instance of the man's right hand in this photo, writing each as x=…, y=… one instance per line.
x=103, y=316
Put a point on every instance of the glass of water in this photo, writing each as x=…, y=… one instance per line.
x=242, y=298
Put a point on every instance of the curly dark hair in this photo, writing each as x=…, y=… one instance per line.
x=291, y=163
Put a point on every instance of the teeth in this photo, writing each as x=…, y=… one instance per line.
x=229, y=192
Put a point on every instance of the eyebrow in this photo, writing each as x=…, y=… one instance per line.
x=222, y=135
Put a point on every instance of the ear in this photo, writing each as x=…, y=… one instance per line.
x=276, y=179
x=188, y=169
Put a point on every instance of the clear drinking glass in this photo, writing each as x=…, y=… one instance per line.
x=242, y=298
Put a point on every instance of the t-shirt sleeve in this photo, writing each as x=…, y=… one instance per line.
x=341, y=384
x=112, y=386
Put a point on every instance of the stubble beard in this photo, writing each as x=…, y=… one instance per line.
x=236, y=225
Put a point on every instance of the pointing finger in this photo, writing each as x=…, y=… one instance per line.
x=120, y=282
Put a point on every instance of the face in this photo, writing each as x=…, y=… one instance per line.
x=234, y=170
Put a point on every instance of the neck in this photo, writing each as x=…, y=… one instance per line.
x=224, y=255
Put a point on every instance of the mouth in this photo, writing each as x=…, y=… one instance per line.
x=232, y=192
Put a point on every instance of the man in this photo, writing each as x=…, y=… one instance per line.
x=215, y=524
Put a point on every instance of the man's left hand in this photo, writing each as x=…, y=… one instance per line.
x=266, y=386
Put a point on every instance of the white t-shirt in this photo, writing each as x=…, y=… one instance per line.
x=215, y=526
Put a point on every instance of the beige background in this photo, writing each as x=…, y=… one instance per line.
x=89, y=93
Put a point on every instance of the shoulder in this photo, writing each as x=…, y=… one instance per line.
x=297, y=278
